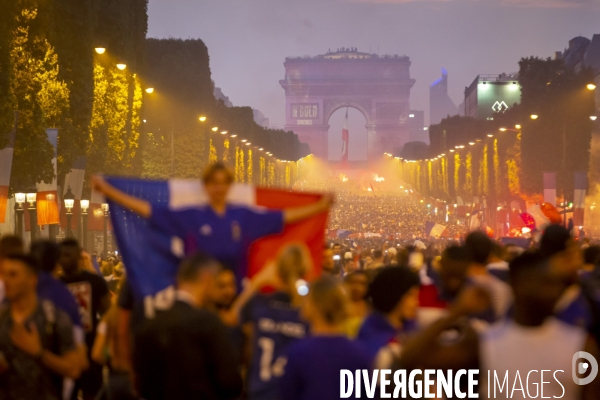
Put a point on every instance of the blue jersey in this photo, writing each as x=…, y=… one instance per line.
x=276, y=325
x=226, y=237
x=50, y=288
x=314, y=364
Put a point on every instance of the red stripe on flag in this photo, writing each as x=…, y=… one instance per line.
x=310, y=232
x=3, y=203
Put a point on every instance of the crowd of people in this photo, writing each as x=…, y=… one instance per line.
x=398, y=217
x=69, y=330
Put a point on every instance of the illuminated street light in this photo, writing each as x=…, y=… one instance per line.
x=517, y=126
x=150, y=90
x=591, y=86
x=102, y=50
x=593, y=117
x=215, y=128
x=234, y=135
x=244, y=140
x=121, y=66
x=202, y=118
x=534, y=116
x=223, y=132
x=490, y=135
x=502, y=129
x=471, y=143
x=248, y=143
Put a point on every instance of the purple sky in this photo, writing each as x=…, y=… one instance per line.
x=248, y=41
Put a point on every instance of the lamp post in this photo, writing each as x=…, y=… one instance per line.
x=31, y=203
x=19, y=200
x=85, y=205
x=104, y=207
x=69, y=200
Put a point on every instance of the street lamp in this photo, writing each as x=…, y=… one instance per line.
x=202, y=118
x=121, y=66
x=591, y=86
x=215, y=128
x=69, y=200
x=31, y=198
x=593, y=117
x=534, y=116
x=85, y=205
x=100, y=50
x=19, y=200
x=150, y=90
x=104, y=208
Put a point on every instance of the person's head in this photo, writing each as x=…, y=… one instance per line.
x=46, y=254
x=591, y=255
x=563, y=252
x=327, y=262
x=337, y=249
x=357, y=283
x=225, y=289
x=293, y=263
x=326, y=303
x=378, y=256
x=217, y=180
x=349, y=265
x=10, y=244
x=392, y=255
x=454, y=266
x=70, y=254
x=479, y=246
x=196, y=276
x=20, y=276
x=395, y=292
x=536, y=288
x=496, y=253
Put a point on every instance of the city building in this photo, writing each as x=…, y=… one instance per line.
x=440, y=104
x=417, y=131
x=489, y=94
x=219, y=95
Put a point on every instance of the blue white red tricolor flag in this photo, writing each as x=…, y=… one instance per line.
x=147, y=253
x=345, y=139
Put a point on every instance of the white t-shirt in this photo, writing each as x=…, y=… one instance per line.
x=507, y=346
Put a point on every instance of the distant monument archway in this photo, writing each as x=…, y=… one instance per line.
x=377, y=86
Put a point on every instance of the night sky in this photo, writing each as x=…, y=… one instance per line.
x=248, y=41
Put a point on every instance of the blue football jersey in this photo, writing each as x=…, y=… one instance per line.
x=277, y=325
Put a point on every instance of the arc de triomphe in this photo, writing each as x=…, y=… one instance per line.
x=377, y=86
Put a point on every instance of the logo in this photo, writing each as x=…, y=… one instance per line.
x=580, y=368
x=500, y=106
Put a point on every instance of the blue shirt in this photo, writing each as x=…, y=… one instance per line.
x=277, y=325
x=226, y=237
x=50, y=288
x=314, y=364
x=375, y=332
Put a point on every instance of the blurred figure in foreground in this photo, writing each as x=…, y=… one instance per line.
x=36, y=338
x=184, y=352
x=314, y=363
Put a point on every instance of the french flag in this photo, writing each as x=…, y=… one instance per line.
x=345, y=139
x=149, y=256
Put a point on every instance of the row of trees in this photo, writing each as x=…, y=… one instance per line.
x=51, y=77
x=505, y=158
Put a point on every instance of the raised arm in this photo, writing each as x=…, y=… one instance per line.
x=291, y=215
x=138, y=206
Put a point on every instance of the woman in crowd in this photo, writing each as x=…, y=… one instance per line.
x=314, y=363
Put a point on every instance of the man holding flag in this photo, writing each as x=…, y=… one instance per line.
x=219, y=228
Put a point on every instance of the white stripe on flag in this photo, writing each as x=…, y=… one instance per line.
x=186, y=193
x=6, y=157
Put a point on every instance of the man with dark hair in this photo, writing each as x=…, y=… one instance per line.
x=394, y=294
x=496, y=265
x=92, y=296
x=184, y=352
x=36, y=339
x=479, y=247
x=9, y=244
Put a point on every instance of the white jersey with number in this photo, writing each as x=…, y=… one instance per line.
x=525, y=352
